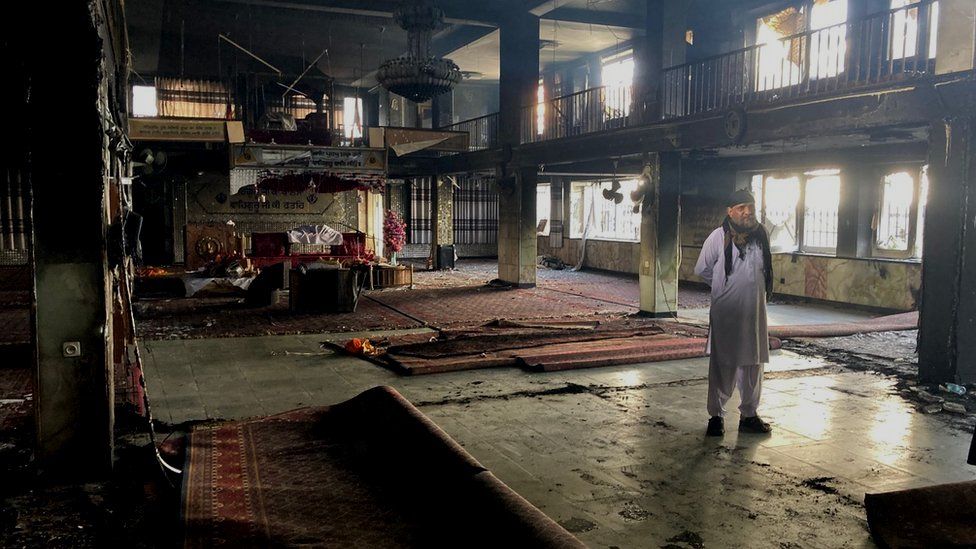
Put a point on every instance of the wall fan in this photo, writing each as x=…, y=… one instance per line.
x=150, y=161
x=613, y=193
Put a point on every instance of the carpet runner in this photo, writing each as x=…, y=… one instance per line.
x=371, y=472
x=889, y=323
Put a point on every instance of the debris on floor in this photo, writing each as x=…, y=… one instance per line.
x=551, y=262
x=499, y=284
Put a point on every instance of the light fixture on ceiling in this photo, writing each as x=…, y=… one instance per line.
x=418, y=75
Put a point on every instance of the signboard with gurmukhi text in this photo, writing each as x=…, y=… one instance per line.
x=164, y=129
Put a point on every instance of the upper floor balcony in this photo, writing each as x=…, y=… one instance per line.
x=882, y=49
x=894, y=45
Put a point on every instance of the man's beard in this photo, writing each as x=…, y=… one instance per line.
x=752, y=225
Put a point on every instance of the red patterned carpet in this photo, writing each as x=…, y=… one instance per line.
x=371, y=472
x=536, y=346
x=471, y=305
x=443, y=299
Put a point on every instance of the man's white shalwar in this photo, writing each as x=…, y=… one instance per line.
x=738, y=343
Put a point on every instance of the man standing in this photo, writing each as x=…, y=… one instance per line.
x=735, y=261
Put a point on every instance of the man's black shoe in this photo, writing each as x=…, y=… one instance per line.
x=716, y=427
x=753, y=425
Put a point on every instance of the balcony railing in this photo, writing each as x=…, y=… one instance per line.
x=482, y=131
x=886, y=46
x=586, y=111
x=883, y=47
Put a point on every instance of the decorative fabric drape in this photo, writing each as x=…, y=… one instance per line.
x=185, y=98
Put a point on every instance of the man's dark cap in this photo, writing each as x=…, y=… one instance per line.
x=740, y=196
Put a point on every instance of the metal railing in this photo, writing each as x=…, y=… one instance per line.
x=14, y=212
x=482, y=131
x=585, y=111
x=882, y=47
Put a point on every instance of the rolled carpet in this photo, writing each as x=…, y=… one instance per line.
x=370, y=472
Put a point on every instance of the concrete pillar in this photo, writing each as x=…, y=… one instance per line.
x=517, y=240
x=442, y=110
x=663, y=45
x=859, y=187
x=660, y=217
x=408, y=113
x=442, y=214
x=371, y=110
x=435, y=112
x=947, y=342
x=383, y=107
x=648, y=63
x=73, y=338
x=956, y=47
x=558, y=189
x=518, y=83
x=594, y=72
x=518, y=73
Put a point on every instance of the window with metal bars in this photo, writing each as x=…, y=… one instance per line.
x=799, y=210
x=606, y=218
x=617, y=77
x=543, y=208
x=901, y=213
x=14, y=216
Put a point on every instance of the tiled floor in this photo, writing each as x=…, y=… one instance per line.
x=622, y=462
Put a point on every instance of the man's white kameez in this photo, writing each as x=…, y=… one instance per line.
x=738, y=342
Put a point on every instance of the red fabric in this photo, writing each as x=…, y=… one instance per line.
x=271, y=248
x=269, y=244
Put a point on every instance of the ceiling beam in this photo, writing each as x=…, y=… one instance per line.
x=594, y=17
x=454, y=38
x=380, y=9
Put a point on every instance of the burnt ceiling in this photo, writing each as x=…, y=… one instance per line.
x=180, y=37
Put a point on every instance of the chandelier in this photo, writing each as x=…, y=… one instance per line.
x=418, y=75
